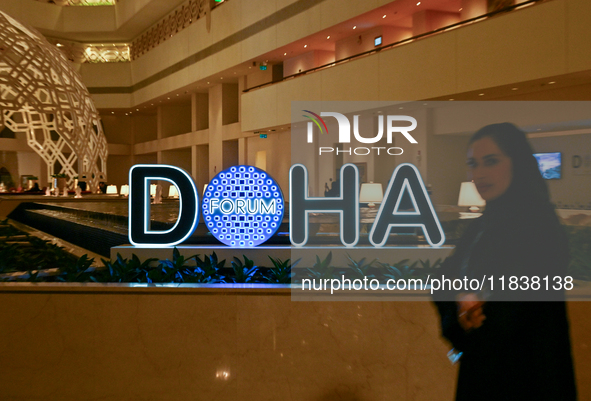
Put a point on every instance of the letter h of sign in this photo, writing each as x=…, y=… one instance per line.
x=346, y=205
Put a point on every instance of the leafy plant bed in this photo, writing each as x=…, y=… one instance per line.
x=33, y=258
x=24, y=253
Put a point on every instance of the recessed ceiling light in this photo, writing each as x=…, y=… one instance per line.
x=328, y=37
x=460, y=9
x=419, y=3
x=451, y=99
x=168, y=98
x=112, y=112
x=59, y=45
x=355, y=27
x=481, y=94
x=384, y=16
x=305, y=45
x=285, y=54
x=152, y=104
x=208, y=82
x=137, y=109
x=177, y=94
x=221, y=77
x=126, y=114
x=400, y=108
x=513, y=89
x=551, y=83
x=234, y=72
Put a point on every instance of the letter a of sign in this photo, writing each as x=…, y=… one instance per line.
x=406, y=179
x=140, y=233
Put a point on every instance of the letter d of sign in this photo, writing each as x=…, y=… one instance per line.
x=140, y=234
x=406, y=178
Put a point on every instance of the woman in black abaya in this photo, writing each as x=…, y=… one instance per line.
x=515, y=344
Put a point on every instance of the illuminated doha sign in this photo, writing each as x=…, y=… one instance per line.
x=243, y=206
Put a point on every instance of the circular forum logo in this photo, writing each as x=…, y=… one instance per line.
x=243, y=206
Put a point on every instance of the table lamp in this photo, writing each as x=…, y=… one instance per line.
x=469, y=197
x=173, y=192
x=124, y=190
x=371, y=194
x=112, y=190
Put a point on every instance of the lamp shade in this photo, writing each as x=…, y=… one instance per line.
x=371, y=193
x=173, y=192
x=112, y=190
x=124, y=190
x=469, y=195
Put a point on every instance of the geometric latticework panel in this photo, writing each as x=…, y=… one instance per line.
x=169, y=26
x=42, y=96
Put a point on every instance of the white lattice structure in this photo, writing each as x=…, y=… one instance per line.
x=42, y=96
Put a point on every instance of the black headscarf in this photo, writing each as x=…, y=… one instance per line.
x=527, y=196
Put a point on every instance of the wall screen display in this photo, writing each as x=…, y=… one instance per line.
x=243, y=206
x=550, y=165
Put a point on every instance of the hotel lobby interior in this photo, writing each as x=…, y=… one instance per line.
x=91, y=88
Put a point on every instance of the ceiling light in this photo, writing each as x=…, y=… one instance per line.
x=460, y=9
x=285, y=54
x=355, y=27
x=168, y=98
x=177, y=94
x=451, y=99
x=305, y=46
x=59, y=45
x=328, y=37
x=137, y=109
x=221, y=77
x=208, y=82
x=419, y=3
x=481, y=94
x=112, y=112
x=551, y=83
x=384, y=16
x=513, y=89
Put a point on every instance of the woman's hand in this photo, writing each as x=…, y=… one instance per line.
x=470, y=315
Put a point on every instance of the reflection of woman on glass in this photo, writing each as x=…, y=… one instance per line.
x=517, y=350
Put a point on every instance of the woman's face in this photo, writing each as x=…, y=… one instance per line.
x=490, y=168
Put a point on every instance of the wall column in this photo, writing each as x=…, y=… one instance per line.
x=215, y=130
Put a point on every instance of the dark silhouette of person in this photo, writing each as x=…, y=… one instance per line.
x=515, y=344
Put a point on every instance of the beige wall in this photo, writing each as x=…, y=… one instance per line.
x=278, y=151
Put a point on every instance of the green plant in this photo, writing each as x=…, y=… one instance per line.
x=399, y=270
x=59, y=175
x=76, y=271
x=174, y=270
x=281, y=272
x=360, y=269
x=123, y=271
x=322, y=268
x=243, y=272
x=206, y=270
